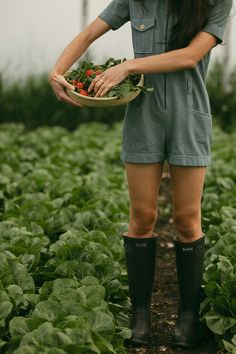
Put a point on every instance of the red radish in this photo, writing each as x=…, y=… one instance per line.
x=83, y=92
x=79, y=85
x=89, y=72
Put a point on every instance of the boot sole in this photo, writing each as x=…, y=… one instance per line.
x=136, y=343
x=184, y=345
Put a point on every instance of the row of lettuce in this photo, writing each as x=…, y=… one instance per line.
x=63, y=208
x=219, y=220
x=63, y=286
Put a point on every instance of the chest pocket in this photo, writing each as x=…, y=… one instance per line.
x=143, y=34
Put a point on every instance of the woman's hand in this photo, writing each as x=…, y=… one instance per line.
x=59, y=83
x=102, y=83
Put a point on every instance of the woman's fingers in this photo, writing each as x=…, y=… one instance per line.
x=59, y=83
x=96, y=83
x=102, y=83
x=103, y=89
x=64, y=82
x=64, y=98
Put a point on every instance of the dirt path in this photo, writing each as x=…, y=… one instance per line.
x=165, y=294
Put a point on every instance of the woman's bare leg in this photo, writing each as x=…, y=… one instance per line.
x=187, y=183
x=143, y=183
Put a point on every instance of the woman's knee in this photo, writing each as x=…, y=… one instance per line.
x=187, y=223
x=143, y=219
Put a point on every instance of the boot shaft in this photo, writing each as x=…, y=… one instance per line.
x=189, y=265
x=140, y=254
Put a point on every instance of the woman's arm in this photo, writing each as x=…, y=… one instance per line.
x=180, y=59
x=175, y=60
x=71, y=53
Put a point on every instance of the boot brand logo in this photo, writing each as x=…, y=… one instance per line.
x=187, y=249
x=141, y=245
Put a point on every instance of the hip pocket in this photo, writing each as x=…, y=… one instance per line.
x=143, y=34
x=202, y=130
x=197, y=96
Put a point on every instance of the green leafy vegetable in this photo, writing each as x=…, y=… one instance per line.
x=88, y=71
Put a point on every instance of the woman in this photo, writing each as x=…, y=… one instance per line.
x=172, y=42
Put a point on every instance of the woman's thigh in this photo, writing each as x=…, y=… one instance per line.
x=144, y=184
x=187, y=185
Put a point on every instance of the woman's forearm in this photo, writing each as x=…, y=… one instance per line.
x=71, y=53
x=175, y=60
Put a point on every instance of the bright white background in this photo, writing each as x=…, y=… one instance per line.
x=34, y=33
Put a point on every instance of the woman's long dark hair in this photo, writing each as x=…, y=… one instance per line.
x=191, y=15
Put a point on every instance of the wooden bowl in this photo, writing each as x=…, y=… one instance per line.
x=87, y=101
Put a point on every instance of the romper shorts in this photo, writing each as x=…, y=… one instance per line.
x=174, y=122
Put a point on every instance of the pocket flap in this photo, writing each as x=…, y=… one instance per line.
x=142, y=24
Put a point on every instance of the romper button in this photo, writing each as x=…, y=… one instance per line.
x=142, y=26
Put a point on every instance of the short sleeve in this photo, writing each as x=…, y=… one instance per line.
x=218, y=19
x=116, y=14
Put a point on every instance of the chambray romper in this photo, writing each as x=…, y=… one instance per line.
x=174, y=122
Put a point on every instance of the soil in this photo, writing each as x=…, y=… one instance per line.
x=165, y=292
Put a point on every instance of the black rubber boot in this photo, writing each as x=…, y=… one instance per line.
x=140, y=256
x=189, y=264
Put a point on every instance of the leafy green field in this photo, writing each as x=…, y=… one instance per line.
x=63, y=207
x=219, y=220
